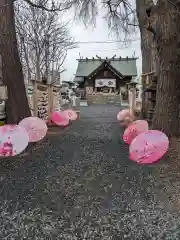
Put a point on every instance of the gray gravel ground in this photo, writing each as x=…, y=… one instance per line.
x=80, y=185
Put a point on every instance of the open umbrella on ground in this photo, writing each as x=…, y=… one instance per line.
x=134, y=129
x=149, y=147
x=70, y=114
x=13, y=140
x=59, y=118
x=36, y=128
x=123, y=114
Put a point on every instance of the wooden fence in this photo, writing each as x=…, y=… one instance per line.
x=43, y=100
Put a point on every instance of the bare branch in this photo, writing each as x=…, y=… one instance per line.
x=46, y=39
x=119, y=14
x=53, y=8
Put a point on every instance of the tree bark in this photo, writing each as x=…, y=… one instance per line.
x=146, y=41
x=166, y=117
x=17, y=106
x=25, y=47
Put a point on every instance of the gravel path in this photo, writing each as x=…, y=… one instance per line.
x=80, y=185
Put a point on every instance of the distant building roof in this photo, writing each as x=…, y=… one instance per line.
x=125, y=66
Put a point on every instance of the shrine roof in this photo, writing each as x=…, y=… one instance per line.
x=125, y=66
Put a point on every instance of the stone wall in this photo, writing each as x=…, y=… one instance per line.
x=103, y=99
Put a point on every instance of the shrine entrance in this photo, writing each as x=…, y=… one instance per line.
x=105, y=85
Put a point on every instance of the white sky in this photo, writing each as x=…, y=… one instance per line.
x=100, y=33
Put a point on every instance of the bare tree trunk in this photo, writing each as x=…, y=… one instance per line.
x=47, y=58
x=52, y=72
x=146, y=41
x=166, y=116
x=27, y=60
x=38, y=74
x=17, y=104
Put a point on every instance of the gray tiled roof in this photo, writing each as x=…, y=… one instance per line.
x=124, y=66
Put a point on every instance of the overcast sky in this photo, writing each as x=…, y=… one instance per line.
x=100, y=33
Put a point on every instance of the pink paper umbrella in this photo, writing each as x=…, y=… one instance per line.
x=123, y=114
x=60, y=119
x=13, y=140
x=70, y=114
x=134, y=129
x=149, y=147
x=36, y=128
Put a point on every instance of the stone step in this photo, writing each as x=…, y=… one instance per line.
x=83, y=103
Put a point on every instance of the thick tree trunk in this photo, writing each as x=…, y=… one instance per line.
x=146, y=42
x=17, y=104
x=166, y=117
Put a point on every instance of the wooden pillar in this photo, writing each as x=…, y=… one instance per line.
x=50, y=101
x=120, y=96
x=132, y=99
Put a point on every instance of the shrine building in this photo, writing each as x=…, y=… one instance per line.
x=104, y=77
